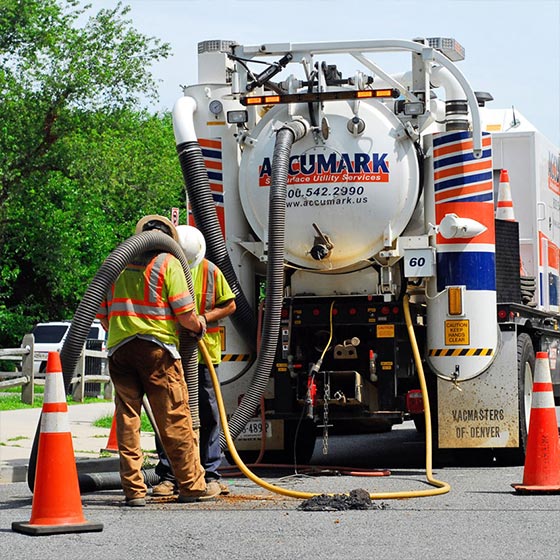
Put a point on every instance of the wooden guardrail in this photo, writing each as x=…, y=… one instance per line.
x=28, y=379
x=25, y=377
x=82, y=376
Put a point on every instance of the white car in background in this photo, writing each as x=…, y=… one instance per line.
x=50, y=337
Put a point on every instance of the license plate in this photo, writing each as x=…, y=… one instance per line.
x=253, y=430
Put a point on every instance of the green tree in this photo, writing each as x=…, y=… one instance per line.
x=80, y=160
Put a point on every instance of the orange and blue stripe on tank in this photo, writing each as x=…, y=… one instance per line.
x=212, y=152
x=463, y=185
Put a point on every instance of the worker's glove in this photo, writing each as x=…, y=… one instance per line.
x=202, y=332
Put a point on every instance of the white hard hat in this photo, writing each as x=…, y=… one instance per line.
x=193, y=244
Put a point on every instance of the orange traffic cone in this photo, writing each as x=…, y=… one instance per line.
x=504, y=209
x=542, y=458
x=112, y=445
x=57, y=506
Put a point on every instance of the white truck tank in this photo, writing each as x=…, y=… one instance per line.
x=356, y=183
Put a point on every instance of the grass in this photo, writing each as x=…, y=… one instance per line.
x=145, y=426
x=38, y=389
x=10, y=399
x=106, y=421
x=13, y=401
x=17, y=438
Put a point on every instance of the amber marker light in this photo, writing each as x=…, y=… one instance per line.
x=455, y=300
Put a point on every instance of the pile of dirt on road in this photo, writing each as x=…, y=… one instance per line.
x=355, y=499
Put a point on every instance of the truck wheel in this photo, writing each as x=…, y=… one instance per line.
x=525, y=370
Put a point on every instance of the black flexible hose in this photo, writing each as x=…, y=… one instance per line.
x=204, y=211
x=109, y=271
x=285, y=137
x=123, y=254
x=94, y=482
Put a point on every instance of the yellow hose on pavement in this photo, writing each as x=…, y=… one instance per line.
x=439, y=487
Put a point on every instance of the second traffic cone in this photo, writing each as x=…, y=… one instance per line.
x=112, y=445
x=504, y=208
x=542, y=458
x=57, y=505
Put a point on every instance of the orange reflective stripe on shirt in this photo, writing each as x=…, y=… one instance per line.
x=203, y=290
x=153, y=305
x=211, y=289
x=208, y=293
x=146, y=299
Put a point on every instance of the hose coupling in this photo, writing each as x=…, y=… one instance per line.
x=298, y=126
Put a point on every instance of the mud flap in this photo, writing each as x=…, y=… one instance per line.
x=482, y=412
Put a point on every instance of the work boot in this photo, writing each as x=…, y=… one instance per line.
x=135, y=502
x=164, y=488
x=212, y=490
x=224, y=488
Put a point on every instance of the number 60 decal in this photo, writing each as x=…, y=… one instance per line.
x=417, y=261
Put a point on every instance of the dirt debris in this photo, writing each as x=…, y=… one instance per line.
x=355, y=499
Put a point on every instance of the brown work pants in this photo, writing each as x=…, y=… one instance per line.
x=141, y=367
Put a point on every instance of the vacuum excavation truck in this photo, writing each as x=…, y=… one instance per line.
x=369, y=220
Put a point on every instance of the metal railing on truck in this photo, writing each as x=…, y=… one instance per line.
x=90, y=370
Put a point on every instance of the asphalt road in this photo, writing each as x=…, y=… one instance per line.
x=480, y=517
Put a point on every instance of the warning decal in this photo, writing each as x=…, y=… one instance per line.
x=457, y=332
x=385, y=331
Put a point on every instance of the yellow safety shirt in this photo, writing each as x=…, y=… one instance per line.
x=211, y=290
x=145, y=300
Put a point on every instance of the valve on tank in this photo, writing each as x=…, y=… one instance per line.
x=322, y=245
x=356, y=126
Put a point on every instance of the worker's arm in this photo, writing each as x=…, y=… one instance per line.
x=220, y=312
x=104, y=323
x=191, y=322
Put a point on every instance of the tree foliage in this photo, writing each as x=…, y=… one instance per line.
x=80, y=160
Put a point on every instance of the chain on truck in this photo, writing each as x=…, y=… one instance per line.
x=336, y=200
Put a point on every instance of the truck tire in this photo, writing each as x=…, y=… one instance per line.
x=525, y=371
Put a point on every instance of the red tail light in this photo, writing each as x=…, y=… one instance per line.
x=415, y=401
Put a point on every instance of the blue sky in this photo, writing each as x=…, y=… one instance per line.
x=512, y=46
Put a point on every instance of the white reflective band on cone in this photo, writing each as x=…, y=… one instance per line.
x=543, y=399
x=54, y=392
x=55, y=422
x=542, y=372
